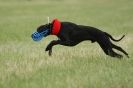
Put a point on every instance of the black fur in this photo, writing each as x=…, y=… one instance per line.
x=72, y=34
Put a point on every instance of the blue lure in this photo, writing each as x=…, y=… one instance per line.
x=36, y=36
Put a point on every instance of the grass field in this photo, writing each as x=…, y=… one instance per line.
x=25, y=64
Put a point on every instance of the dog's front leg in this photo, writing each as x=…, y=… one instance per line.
x=50, y=45
x=68, y=43
x=55, y=42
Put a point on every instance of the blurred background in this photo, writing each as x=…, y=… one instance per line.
x=24, y=64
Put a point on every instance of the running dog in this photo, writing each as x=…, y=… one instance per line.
x=71, y=34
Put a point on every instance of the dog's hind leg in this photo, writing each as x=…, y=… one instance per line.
x=106, y=47
x=114, y=54
x=110, y=52
x=120, y=49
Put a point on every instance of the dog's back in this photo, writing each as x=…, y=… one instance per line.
x=79, y=32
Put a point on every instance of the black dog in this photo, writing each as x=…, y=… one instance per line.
x=71, y=34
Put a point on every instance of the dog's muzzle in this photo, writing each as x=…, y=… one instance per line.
x=36, y=36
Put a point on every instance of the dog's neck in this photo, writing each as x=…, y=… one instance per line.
x=55, y=27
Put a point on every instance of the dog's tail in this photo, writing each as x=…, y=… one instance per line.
x=113, y=38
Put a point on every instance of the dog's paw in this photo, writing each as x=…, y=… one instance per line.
x=127, y=56
x=49, y=49
x=50, y=52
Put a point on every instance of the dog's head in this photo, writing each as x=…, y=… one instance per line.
x=42, y=31
x=52, y=28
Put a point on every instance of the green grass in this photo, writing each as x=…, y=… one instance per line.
x=25, y=64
